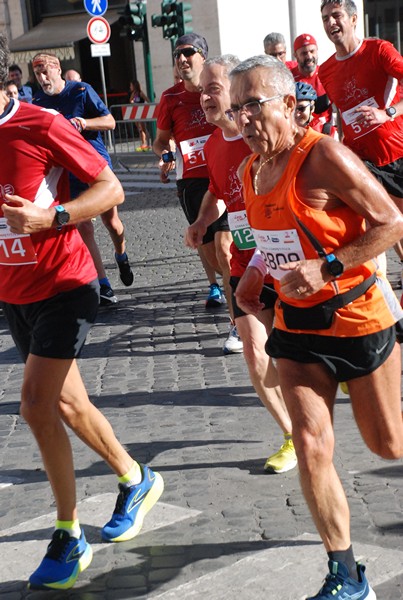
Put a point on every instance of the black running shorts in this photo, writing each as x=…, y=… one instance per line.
x=390, y=176
x=55, y=327
x=191, y=193
x=346, y=357
x=268, y=297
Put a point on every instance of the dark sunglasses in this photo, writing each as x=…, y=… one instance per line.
x=186, y=52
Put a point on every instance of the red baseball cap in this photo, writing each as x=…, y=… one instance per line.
x=305, y=39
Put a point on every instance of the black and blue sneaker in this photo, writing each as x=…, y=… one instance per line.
x=339, y=585
x=64, y=560
x=216, y=297
x=132, y=505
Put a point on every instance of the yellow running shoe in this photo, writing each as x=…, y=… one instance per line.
x=284, y=460
x=344, y=387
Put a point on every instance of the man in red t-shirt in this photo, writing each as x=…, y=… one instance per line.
x=307, y=70
x=50, y=295
x=181, y=118
x=362, y=80
x=225, y=150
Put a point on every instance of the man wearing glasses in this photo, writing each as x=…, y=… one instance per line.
x=181, y=117
x=318, y=219
x=274, y=45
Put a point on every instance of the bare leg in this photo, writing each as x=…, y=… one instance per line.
x=222, y=244
x=262, y=372
x=115, y=228
x=309, y=392
x=86, y=229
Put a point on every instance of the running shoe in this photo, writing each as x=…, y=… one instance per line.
x=106, y=295
x=125, y=271
x=233, y=344
x=132, y=505
x=64, y=560
x=339, y=585
x=215, y=297
x=344, y=387
x=284, y=460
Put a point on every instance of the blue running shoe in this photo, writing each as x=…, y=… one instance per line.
x=132, y=505
x=64, y=560
x=340, y=586
x=215, y=297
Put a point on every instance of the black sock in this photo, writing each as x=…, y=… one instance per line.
x=347, y=558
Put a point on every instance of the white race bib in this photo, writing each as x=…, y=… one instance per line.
x=278, y=248
x=15, y=248
x=193, y=152
x=241, y=231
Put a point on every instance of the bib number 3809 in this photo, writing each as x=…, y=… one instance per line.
x=278, y=248
x=15, y=248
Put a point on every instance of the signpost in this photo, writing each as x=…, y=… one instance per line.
x=99, y=32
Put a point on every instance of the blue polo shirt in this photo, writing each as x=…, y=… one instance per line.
x=78, y=99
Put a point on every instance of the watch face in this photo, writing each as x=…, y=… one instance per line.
x=391, y=111
x=335, y=267
x=62, y=217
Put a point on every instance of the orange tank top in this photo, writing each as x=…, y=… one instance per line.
x=279, y=237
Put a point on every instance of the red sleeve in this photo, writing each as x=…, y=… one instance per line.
x=70, y=150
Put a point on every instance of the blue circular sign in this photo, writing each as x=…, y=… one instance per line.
x=96, y=8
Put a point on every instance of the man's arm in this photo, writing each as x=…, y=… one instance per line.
x=162, y=144
x=104, y=123
x=210, y=210
x=105, y=191
x=340, y=177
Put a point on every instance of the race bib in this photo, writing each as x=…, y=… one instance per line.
x=193, y=152
x=241, y=231
x=278, y=248
x=16, y=249
x=354, y=119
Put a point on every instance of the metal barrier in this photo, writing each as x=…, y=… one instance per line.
x=125, y=137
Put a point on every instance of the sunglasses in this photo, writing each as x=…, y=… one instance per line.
x=187, y=52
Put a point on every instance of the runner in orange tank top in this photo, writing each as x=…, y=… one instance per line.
x=319, y=218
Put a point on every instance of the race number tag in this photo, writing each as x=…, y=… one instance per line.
x=193, y=152
x=241, y=231
x=355, y=121
x=15, y=248
x=278, y=248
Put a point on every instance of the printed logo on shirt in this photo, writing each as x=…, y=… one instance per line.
x=7, y=188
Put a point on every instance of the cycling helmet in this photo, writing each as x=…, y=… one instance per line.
x=304, y=91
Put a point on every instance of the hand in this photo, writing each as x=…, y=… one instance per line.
x=23, y=216
x=371, y=116
x=304, y=277
x=165, y=168
x=194, y=235
x=248, y=291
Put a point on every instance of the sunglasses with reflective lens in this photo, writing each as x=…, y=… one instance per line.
x=186, y=52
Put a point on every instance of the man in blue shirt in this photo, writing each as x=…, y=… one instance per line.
x=82, y=106
x=24, y=91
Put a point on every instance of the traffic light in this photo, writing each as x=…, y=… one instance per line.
x=167, y=19
x=182, y=18
x=133, y=20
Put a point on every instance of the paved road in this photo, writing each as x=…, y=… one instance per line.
x=223, y=530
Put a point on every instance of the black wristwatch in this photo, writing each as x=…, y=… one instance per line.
x=62, y=216
x=334, y=266
x=391, y=112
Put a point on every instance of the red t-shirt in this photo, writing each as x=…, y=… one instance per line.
x=224, y=155
x=319, y=119
x=37, y=147
x=367, y=76
x=179, y=111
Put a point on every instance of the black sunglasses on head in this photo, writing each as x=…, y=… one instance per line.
x=186, y=52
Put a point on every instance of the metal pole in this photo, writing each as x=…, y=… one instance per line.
x=101, y=66
x=149, y=74
x=293, y=21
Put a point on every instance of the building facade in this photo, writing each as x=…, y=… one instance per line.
x=230, y=26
